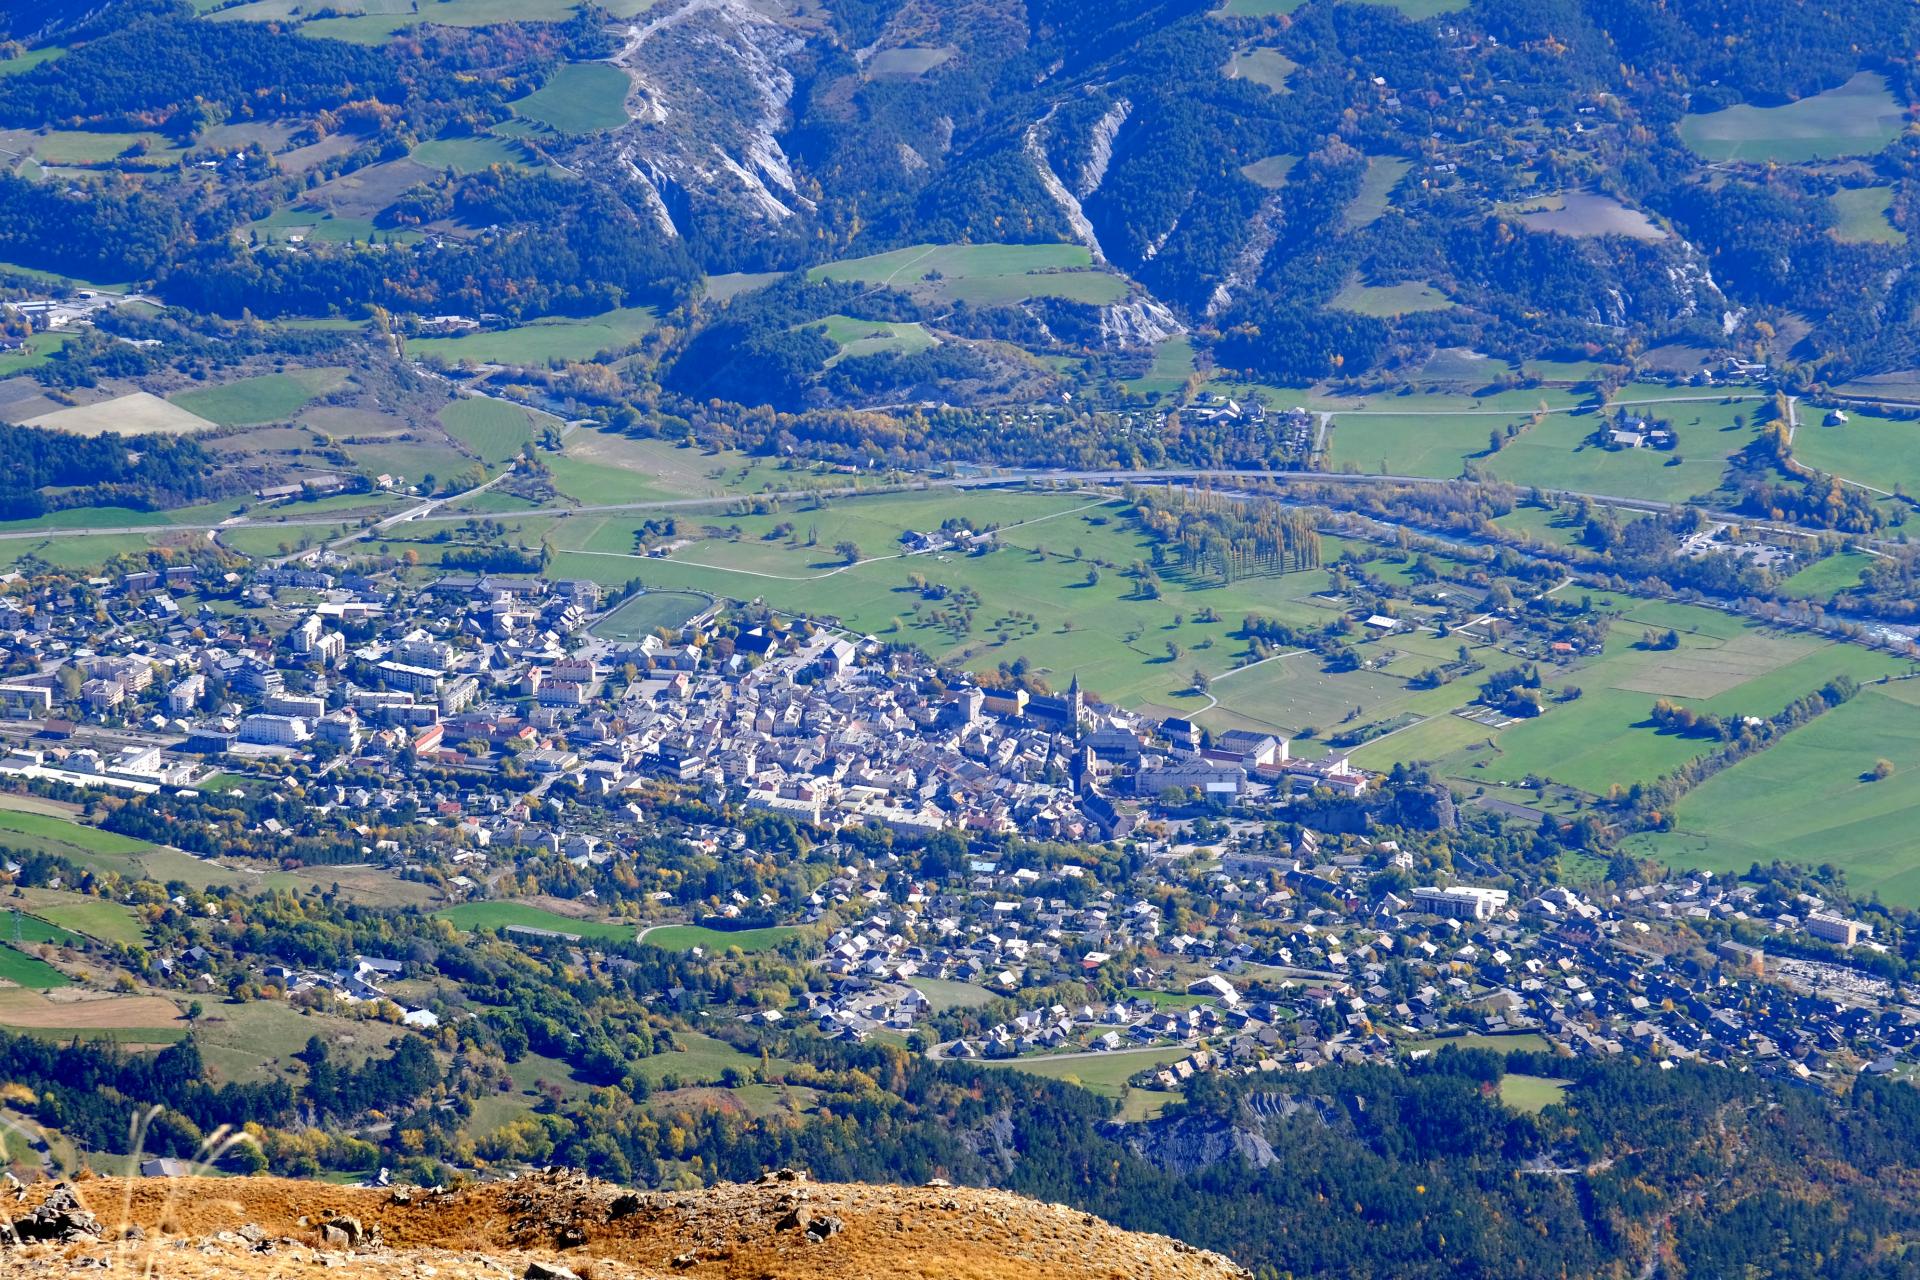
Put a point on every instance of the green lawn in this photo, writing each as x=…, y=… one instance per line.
x=1858, y=118
x=470, y=916
x=273, y=397
x=1811, y=798
x=1509, y=1042
x=541, y=342
x=585, y=97
x=684, y=937
x=494, y=429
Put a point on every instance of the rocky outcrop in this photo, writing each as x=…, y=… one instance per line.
x=562, y=1225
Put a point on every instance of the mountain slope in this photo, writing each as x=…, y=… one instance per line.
x=781, y=1225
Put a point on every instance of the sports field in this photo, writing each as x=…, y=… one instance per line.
x=1812, y=798
x=273, y=397
x=1857, y=118
x=541, y=342
x=984, y=274
x=469, y=916
x=586, y=97
x=639, y=616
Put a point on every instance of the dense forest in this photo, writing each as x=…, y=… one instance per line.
x=145, y=472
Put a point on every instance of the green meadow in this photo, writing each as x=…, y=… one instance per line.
x=273, y=397
x=1857, y=118
x=1813, y=798
x=470, y=916
x=542, y=342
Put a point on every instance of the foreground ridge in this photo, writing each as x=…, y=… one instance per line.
x=560, y=1224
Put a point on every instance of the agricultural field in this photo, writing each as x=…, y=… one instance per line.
x=907, y=62
x=138, y=413
x=1390, y=300
x=273, y=397
x=730, y=285
x=1167, y=375
x=1725, y=666
x=377, y=21
x=598, y=467
x=20, y=969
x=685, y=937
x=588, y=97
x=541, y=342
x=984, y=274
x=696, y=1060
x=86, y=148
x=1863, y=215
x=1823, y=579
x=129, y=1019
x=28, y=60
x=1036, y=599
x=871, y=337
x=494, y=429
x=1582, y=214
x=947, y=994
x=38, y=349
x=1270, y=172
x=1437, y=445
x=1268, y=68
x=1813, y=798
x=1557, y=454
x=254, y=1041
x=470, y=916
x=642, y=614
x=1874, y=451
x=470, y=154
x=1856, y=119
x=1257, y=8
x=1532, y=1094
x=98, y=850
x=1376, y=190
x=1102, y=1073
x=73, y=551
x=82, y=914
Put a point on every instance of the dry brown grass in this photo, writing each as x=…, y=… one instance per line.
x=79, y=1009
x=930, y=1233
